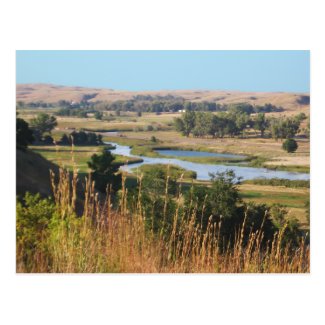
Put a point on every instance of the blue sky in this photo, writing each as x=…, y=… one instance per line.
x=162, y=70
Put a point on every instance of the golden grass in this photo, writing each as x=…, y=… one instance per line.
x=114, y=240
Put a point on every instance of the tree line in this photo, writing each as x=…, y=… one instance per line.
x=81, y=138
x=236, y=122
x=38, y=132
x=145, y=103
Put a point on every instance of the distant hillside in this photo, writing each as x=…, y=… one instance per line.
x=295, y=102
x=33, y=173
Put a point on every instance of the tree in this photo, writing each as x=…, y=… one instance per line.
x=290, y=127
x=242, y=120
x=98, y=115
x=307, y=129
x=203, y=124
x=158, y=206
x=292, y=232
x=300, y=117
x=179, y=125
x=64, y=141
x=219, y=125
x=224, y=194
x=44, y=123
x=85, y=138
x=241, y=108
x=189, y=122
x=275, y=129
x=48, y=140
x=24, y=135
x=261, y=123
x=104, y=171
x=290, y=145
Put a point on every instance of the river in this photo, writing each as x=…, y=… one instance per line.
x=203, y=170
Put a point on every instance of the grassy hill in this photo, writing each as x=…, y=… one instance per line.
x=33, y=173
x=53, y=93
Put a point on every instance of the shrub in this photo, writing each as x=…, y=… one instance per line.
x=290, y=145
x=34, y=215
x=149, y=128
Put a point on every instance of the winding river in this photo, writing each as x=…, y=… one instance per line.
x=203, y=170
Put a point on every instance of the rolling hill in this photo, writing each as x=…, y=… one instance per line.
x=53, y=93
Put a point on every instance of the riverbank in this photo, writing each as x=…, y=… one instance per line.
x=257, y=155
x=204, y=170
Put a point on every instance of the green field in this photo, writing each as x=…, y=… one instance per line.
x=294, y=199
x=77, y=158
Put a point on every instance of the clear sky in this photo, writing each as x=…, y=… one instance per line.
x=162, y=70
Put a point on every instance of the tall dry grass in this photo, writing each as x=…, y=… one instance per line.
x=109, y=240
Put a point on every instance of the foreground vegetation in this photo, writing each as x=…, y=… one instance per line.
x=51, y=237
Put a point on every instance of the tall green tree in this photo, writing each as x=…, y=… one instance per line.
x=261, y=123
x=242, y=120
x=105, y=171
x=179, y=125
x=203, y=124
x=189, y=122
x=44, y=123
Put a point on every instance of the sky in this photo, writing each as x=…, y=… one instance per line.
x=287, y=71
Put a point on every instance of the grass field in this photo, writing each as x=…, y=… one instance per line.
x=64, y=156
x=292, y=198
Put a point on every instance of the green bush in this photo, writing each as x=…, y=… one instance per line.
x=290, y=145
x=34, y=215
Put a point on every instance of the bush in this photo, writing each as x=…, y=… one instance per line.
x=290, y=145
x=34, y=215
x=149, y=128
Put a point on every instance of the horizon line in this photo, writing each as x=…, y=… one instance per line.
x=158, y=90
